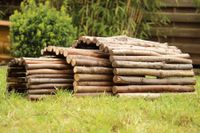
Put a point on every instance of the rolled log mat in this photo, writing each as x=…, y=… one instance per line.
x=92, y=83
x=87, y=89
x=152, y=88
x=153, y=72
x=153, y=65
x=151, y=81
x=93, y=70
x=92, y=77
x=166, y=58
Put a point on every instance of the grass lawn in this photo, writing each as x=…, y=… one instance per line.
x=64, y=113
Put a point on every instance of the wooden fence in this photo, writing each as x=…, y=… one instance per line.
x=183, y=30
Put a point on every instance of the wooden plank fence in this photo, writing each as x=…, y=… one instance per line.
x=183, y=30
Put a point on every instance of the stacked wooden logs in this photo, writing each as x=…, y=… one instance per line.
x=92, y=69
x=141, y=67
x=39, y=77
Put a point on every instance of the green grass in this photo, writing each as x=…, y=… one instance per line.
x=64, y=113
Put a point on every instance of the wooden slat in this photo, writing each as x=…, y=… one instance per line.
x=176, y=32
x=178, y=3
x=178, y=17
x=188, y=48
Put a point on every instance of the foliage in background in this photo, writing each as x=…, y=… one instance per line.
x=112, y=17
x=37, y=26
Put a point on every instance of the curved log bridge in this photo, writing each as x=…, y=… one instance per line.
x=153, y=72
x=152, y=88
x=165, y=81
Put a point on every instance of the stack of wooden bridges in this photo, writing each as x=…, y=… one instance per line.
x=95, y=66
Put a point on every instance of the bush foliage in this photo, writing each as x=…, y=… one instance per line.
x=39, y=25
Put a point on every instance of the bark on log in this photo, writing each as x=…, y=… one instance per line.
x=152, y=88
x=42, y=91
x=47, y=66
x=167, y=59
x=92, y=77
x=93, y=83
x=48, y=80
x=48, y=71
x=84, y=62
x=165, y=81
x=93, y=53
x=153, y=72
x=91, y=89
x=133, y=52
x=92, y=94
x=49, y=85
x=69, y=76
x=154, y=65
x=70, y=57
x=153, y=95
x=93, y=70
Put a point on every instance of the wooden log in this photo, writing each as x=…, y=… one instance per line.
x=93, y=70
x=16, y=79
x=92, y=94
x=153, y=72
x=144, y=81
x=41, y=59
x=167, y=59
x=49, y=85
x=47, y=66
x=152, y=88
x=93, y=53
x=154, y=65
x=42, y=91
x=94, y=83
x=61, y=75
x=92, y=77
x=48, y=71
x=150, y=96
x=48, y=80
x=133, y=52
x=153, y=95
x=84, y=62
x=44, y=62
x=153, y=49
x=70, y=57
x=91, y=89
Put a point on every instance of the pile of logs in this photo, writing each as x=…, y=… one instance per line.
x=141, y=67
x=92, y=69
x=38, y=77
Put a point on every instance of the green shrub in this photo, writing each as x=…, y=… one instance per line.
x=37, y=26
